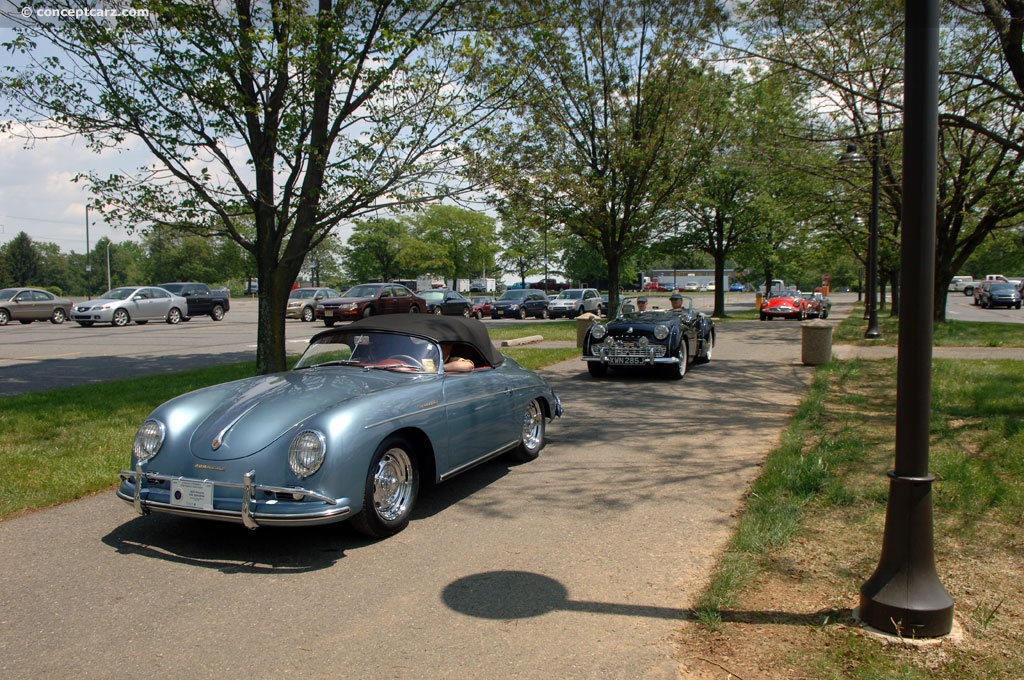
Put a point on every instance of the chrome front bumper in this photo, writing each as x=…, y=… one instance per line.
x=634, y=356
x=252, y=513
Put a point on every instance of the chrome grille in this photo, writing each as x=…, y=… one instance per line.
x=632, y=346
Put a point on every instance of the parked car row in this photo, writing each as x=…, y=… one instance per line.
x=371, y=299
x=170, y=302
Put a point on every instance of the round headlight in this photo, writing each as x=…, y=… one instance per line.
x=306, y=454
x=661, y=331
x=598, y=332
x=148, y=440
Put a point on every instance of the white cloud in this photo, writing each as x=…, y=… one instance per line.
x=38, y=196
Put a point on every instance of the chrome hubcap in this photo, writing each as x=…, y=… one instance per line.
x=392, y=485
x=533, y=426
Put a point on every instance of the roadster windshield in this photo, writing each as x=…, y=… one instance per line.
x=658, y=316
x=373, y=349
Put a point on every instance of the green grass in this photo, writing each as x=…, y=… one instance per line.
x=551, y=330
x=825, y=485
x=63, y=444
x=539, y=357
x=948, y=334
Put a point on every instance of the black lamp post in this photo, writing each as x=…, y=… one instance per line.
x=88, y=265
x=871, y=300
x=904, y=595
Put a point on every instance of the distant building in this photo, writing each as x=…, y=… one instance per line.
x=677, y=278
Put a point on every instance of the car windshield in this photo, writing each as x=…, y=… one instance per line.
x=363, y=291
x=118, y=294
x=1000, y=287
x=373, y=350
x=480, y=300
x=7, y=293
x=570, y=295
x=302, y=294
x=628, y=309
x=517, y=294
x=173, y=287
x=433, y=295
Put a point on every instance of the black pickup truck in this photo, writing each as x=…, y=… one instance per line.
x=201, y=300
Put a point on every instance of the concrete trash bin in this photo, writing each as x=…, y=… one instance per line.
x=815, y=342
x=583, y=322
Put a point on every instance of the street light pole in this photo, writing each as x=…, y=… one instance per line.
x=904, y=596
x=871, y=299
x=873, y=332
x=88, y=265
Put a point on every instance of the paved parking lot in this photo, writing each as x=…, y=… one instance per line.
x=42, y=356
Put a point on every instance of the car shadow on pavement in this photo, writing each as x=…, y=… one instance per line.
x=231, y=548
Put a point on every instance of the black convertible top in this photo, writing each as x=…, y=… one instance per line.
x=454, y=329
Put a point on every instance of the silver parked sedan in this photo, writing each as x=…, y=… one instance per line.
x=121, y=306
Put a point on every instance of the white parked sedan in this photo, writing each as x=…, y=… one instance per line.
x=140, y=304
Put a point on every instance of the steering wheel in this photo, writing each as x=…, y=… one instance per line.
x=402, y=360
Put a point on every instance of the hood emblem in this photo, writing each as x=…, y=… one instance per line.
x=219, y=439
x=630, y=331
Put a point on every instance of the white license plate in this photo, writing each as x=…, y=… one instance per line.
x=191, y=493
x=328, y=312
x=627, y=361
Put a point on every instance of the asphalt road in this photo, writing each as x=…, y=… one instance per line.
x=577, y=565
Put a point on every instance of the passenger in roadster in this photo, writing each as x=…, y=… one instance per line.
x=453, y=363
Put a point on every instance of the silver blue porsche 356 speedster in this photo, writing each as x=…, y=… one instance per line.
x=369, y=411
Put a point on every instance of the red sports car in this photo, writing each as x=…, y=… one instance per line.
x=786, y=304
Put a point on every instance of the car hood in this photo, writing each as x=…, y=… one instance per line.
x=781, y=302
x=240, y=418
x=98, y=302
